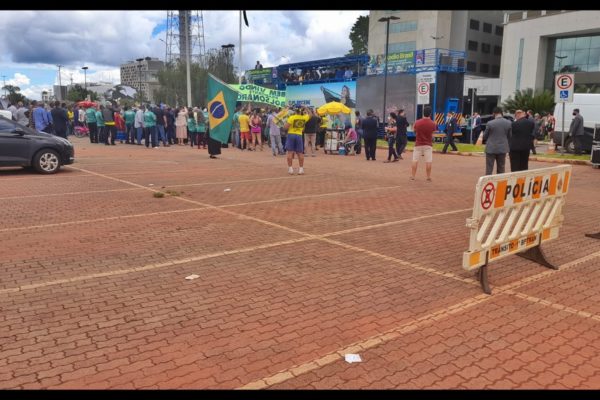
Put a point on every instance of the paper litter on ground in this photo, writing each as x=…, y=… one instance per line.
x=194, y=276
x=350, y=358
x=227, y=190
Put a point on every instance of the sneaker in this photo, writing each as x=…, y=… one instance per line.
x=291, y=171
x=300, y=171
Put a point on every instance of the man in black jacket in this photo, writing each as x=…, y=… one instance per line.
x=369, y=126
x=401, y=138
x=60, y=120
x=520, y=142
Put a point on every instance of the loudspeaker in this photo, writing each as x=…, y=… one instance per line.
x=596, y=155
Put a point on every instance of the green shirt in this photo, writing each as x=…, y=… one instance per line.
x=129, y=117
x=191, y=125
x=90, y=115
x=149, y=119
x=99, y=118
x=236, y=121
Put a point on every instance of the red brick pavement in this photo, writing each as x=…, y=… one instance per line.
x=93, y=295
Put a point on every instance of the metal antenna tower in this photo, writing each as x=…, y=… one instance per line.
x=175, y=45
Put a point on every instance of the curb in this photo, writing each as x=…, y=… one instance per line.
x=540, y=159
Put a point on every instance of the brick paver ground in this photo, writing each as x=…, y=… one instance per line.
x=294, y=272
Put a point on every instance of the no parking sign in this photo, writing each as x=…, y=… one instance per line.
x=422, y=92
x=563, y=88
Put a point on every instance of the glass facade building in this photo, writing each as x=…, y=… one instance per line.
x=578, y=54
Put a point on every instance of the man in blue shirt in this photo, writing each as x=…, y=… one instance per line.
x=40, y=118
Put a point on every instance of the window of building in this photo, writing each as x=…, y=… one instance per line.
x=402, y=46
x=484, y=68
x=407, y=26
x=497, y=50
x=496, y=70
x=474, y=24
x=487, y=28
x=471, y=66
x=485, y=48
x=499, y=30
x=472, y=45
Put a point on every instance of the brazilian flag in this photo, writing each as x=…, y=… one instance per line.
x=221, y=106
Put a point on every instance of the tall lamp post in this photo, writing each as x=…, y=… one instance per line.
x=139, y=66
x=60, y=82
x=227, y=47
x=85, y=79
x=562, y=144
x=436, y=38
x=385, y=70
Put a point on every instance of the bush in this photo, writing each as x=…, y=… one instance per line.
x=538, y=102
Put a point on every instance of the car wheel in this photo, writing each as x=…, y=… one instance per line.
x=569, y=145
x=46, y=161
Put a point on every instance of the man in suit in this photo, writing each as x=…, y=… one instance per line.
x=451, y=124
x=576, y=129
x=497, y=134
x=520, y=142
x=369, y=126
x=59, y=116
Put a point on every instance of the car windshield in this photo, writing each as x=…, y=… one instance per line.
x=10, y=125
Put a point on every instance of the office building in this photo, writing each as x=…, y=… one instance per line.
x=541, y=43
x=478, y=33
x=142, y=75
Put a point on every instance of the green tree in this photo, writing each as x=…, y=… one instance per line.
x=539, y=101
x=359, y=36
x=79, y=93
x=173, y=83
x=13, y=95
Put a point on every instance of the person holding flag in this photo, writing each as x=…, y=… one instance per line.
x=221, y=107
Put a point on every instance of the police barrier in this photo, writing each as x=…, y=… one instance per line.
x=514, y=213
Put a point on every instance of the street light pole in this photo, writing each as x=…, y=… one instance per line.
x=139, y=66
x=385, y=70
x=241, y=71
x=85, y=79
x=226, y=47
x=60, y=82
x=562, y=144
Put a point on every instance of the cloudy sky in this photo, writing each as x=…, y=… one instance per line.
x=102, y=40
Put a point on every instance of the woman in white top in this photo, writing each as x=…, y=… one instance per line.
x=181, y=125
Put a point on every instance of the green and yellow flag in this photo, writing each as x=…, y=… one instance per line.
x=221, y=105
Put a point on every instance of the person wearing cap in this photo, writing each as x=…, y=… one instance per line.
x=294, y=143
x=576, y=130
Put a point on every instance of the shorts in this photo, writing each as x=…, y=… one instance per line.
x=255, y=131
x=245, y=135
x=294, y=143
x=426, y=151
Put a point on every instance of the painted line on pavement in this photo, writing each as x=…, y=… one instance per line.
x=64, y=194
x=150, y=267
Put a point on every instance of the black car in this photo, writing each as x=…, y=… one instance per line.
x=26, y=147
x=484, y=120
x=586, y=143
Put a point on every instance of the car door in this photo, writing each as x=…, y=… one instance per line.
x=14, y=146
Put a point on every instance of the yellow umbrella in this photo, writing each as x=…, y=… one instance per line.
x=333, y=107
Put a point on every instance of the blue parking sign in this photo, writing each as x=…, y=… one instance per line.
x=564, y=94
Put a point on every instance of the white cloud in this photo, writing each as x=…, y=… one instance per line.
x=18, y=80
x=103, y=40
x=34, y=92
